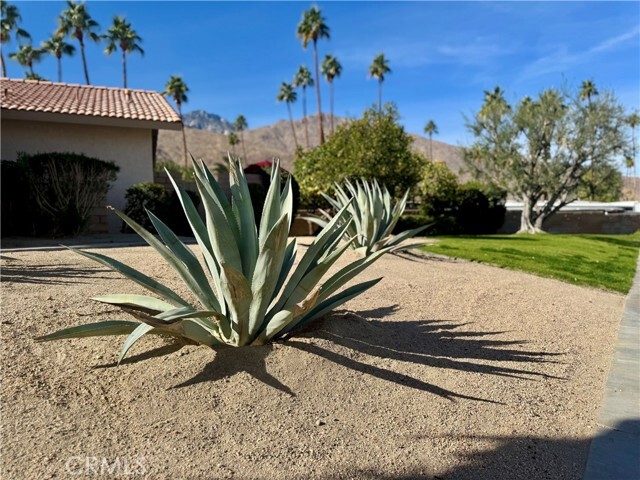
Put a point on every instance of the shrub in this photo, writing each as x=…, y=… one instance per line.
x=67, y=186
x=373, y=217
x=156, y=198
x=470, y=208
x=17, y=204
x=257, y=293
x=375, y=146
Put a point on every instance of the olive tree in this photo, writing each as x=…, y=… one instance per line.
x=542, y=150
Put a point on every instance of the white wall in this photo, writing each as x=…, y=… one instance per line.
x=129, y=148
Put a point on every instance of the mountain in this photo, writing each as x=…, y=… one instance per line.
x=277, y=141
x=210, y=122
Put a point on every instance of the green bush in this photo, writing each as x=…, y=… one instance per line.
x=66, y=187
x=373, y=147
x=18, y=214
x=470, y=208
x=156, y=198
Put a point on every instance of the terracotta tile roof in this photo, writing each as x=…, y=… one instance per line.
x=35, y=96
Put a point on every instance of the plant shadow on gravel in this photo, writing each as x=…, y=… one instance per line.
x=53, y=274
x=431, y=343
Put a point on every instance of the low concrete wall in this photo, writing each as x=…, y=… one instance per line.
x=580, y=222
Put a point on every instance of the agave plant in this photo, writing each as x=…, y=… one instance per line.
x=373, y=217
x=248, y=287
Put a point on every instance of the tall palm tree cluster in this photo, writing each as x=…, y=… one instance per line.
x=74, y=24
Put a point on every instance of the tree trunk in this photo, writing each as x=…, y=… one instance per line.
x=315, y=57
x=84, y=63
x=59, y=69
x=124, y=69
x=244, y=150
x=380, y=96
x=293, y=130
x=304, y=116
x=4, y=69
x=431, y=147
x=331, y=93
x=184, y=135
x=529, y=221
x=31, y=68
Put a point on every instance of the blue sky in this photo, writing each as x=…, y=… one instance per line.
x=234, y=56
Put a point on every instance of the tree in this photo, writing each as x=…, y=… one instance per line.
x=77, y=23
x=241, y=125
x=603, y=183
x=331, y=69
x=8, y=27
x=27, y=56
x=303, y=79
x=177, y=90
x=375, y=146
x=57, y=47
x=120, y=34
x=431, y=128
x=288, y=95
x=233, y=141
x=541, y=150
x=312, y=27
x=588, y=90
x=378, y=69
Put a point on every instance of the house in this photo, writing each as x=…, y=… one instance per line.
x=114, y=124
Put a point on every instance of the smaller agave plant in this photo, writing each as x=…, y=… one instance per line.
x=249, y=289
x=373, y=217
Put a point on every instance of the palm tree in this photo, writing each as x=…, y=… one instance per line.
x=288, y=94
x=241, y=125
x=177, y=90
x=331, y=69
x=233, y=141
x=588, y=90
x=303, y=79
x=312, y=27
x=27, y=56
x=431, y=128
x=8, y=26
x=57, y=47
x=120, y=34
x=378, y=69
x=77, y=23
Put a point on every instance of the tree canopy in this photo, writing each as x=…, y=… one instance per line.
x=375, y=146
x=541, y=150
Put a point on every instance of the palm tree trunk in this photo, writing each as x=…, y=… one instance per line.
x=184, y=135
x=124, y=69
x=84, y=63
x=315, y=58
x=31, y=68
x=244, y=149
x=304, y=116
x=380, y=95
x=60, y=69
x=431, y=146
x=331, y=93
x=293, y=130
x=4, y=69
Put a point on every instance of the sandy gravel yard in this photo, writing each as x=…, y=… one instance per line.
x=444, y=370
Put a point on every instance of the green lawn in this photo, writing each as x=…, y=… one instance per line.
x=604, y=261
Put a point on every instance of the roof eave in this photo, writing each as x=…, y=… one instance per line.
x=37, y=116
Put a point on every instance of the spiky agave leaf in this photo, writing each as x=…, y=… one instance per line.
x=374, y=216
x=248, y=287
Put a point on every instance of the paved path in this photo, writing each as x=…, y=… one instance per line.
x=615, y=452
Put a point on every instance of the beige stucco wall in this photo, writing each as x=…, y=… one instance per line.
x=129, y=148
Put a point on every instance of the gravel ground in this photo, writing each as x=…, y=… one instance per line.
x=444, y=370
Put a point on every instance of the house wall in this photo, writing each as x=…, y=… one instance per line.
x=130, y=148
x=580, y=222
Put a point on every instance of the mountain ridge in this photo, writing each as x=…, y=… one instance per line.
x=277, y=141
